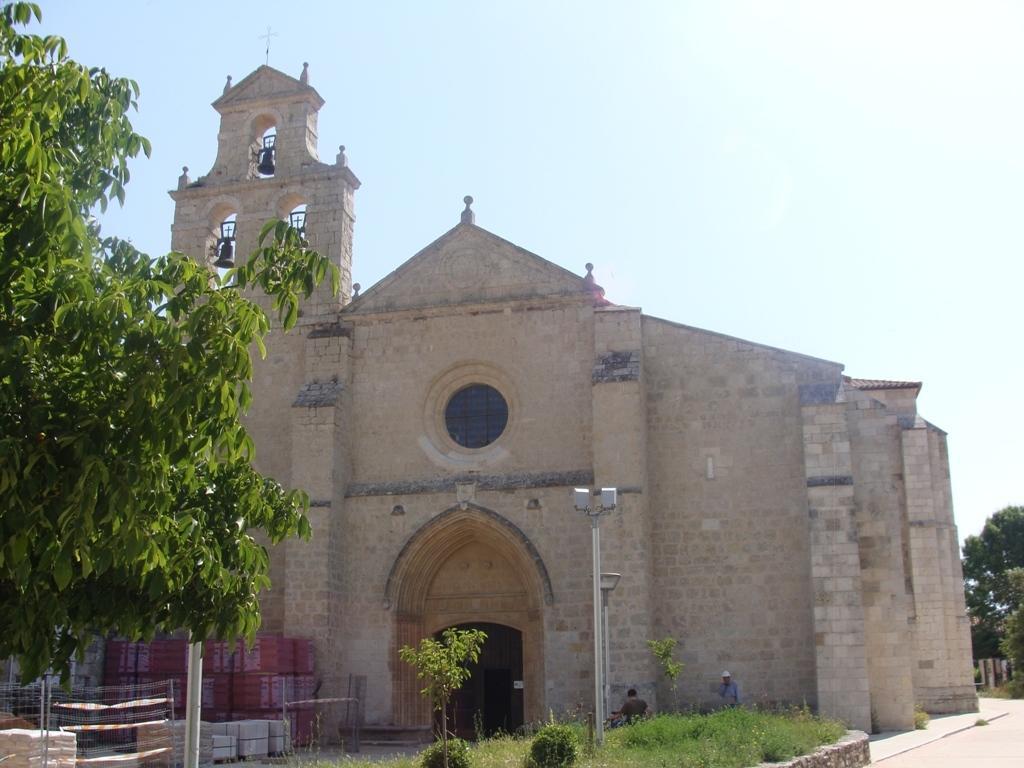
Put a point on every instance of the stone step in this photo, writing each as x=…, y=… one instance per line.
x=390, y=743
x=404, y=735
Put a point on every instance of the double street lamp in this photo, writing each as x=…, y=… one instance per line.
x=583, y=499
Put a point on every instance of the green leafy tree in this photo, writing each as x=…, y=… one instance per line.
x=662, y=650
x=127, y=497
x=1012, y=644
x=987, y=558
x=443, y=665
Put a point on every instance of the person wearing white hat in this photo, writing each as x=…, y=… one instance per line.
x=728, y=691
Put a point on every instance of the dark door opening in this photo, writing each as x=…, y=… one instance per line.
x=491, y=700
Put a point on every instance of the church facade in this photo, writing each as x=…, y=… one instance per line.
x=779, y=519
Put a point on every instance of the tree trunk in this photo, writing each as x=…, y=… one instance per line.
x=444, y=731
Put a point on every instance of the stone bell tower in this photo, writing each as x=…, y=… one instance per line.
x=268, y=167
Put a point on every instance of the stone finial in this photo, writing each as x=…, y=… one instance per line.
x=468, y=217
x=184, y=180
x=596, y=290
x=227, y=85
x=341, y=160
x=304, y=77
x=355, y=290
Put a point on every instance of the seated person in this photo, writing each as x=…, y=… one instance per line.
x=632, y=709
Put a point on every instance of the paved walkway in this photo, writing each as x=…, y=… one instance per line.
x=955, y=741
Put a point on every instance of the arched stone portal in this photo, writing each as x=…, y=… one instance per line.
x=467, y=566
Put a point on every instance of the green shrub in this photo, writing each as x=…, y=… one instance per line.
x=920, y=718
x=554, y=746
x=458, y=755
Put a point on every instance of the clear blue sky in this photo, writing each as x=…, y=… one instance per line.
x=842, y=180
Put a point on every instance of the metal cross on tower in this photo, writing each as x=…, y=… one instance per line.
x=267, y=38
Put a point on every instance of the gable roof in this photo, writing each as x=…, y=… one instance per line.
x=266, y=84
x=466, y=265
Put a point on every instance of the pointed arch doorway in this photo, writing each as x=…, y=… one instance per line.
x=472, y=567
x=491, y=700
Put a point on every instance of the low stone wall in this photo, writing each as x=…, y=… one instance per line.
x=851, y=751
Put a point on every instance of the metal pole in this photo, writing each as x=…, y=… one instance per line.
x=287, y=726
x=607, y=655
x=193, y=704
x=598, y=645
x=44, y=719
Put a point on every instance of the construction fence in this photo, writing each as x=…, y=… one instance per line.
x=42, y=725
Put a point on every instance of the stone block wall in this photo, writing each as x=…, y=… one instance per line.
x=874, y=439
x=839, y=629
x=943, y=676
x=620, y=461
x=539, y=356
x=728, y=503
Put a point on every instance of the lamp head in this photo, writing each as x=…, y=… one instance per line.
x=609, y=581
x=609, y=497
x=581, y=499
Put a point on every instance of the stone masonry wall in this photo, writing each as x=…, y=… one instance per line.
x=402, y=471
x=540, y=357
x=851, y=751
x=728, y=505
x=620, y=461
x=961, y=695
x=839, y=636
x=875, y=450
x=941, y=683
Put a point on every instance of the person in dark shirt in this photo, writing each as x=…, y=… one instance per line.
x=632, y=709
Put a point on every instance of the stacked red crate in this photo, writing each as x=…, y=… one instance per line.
x=168, y=656
x=269, y=653
x=217, y=693
x=239, y=683
x=120, y=667
x=302, y=651
x=219, y=656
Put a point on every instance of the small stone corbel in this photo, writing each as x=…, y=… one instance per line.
x=465, y=494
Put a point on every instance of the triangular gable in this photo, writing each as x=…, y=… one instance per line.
x=469, y=265
x=266, y=84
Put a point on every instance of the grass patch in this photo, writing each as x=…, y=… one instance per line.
x=981, y=721
x=733, y=738
x=1014, y=689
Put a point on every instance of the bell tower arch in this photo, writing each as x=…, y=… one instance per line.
x=467, y=566
x=267, y=161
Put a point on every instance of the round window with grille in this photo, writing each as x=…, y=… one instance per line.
x=476, y=416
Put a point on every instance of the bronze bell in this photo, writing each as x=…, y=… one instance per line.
x=226, y=246
x=225, y=253
x=266, y=163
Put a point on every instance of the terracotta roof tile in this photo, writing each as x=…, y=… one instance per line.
x=868, y=384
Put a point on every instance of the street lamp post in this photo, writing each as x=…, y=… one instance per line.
x=582, y=500
x=608, y=583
